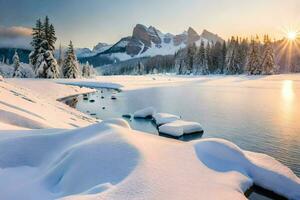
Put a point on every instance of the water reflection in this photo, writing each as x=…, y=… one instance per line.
x=288, y=91
x=264, y=120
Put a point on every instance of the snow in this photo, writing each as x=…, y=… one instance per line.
x=179, y=128
x=144, y=113
x=24, y=104
x=109, y=160
x=91, y=84
x=223, y=156
x=164, y=118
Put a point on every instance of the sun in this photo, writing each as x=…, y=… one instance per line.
x=292, y=35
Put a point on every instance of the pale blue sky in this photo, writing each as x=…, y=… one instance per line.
x=88, y=22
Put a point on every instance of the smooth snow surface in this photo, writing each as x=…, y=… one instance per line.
x=164, y=118
x=109, y=160
x=144, y=113
x=179, y=128
x=32, y=104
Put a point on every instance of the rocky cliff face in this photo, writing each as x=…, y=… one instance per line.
x=149, y=41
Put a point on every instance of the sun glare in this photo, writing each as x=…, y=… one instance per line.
x=292, y=35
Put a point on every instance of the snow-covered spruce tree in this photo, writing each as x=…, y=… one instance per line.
x=37, y=39
x=223, y=57
x=216, y=53
x=86, y=70
x=254, y=59
x=52, y=71
x=208, y=57
x=41, y=58
x=71, y=67
x=191, y=51
x=49, y=34
x=200, y=61
x=18, y=72
x=268, y=64
x=232, y=66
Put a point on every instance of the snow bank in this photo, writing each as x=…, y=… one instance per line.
x=164, y=118
x=144, y=113
x=114, y=162
x=92, y=84
x=24, y=104
x=223, y=156
x=179, y=128
x=95, y=156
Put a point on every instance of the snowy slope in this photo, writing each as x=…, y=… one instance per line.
x=32, y=104
x=41, y=158
x=114, y=162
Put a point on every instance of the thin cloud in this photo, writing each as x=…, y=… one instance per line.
x=15, y=37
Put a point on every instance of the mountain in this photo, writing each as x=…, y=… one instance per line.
x=86, y=52
x=147, y=42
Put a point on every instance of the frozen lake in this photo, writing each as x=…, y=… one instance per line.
x=262, y=117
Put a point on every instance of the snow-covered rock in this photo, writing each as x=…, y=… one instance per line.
x=144, y=113
x=164, y=118
x=179, y=128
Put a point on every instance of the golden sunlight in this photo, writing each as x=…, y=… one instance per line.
x=288, y=91
x=292, y=35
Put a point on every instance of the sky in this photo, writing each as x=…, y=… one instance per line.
x=87, y=22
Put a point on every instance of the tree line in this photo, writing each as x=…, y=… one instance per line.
x=236, y=56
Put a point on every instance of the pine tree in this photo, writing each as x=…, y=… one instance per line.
x=52, y=71
x=37, y=38
x=41, y=58
x=60, y=56
x=254, y=60
x=49, y=33
x=86, y=70
x=200, y=61
x=217, y=57
x=208, y=57
x=17, y=66
x=268, y=65
x=191, y=51
x=232, y=63
x=223, y=57
x=70, y=67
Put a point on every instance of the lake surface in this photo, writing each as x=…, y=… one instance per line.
x=260, y=119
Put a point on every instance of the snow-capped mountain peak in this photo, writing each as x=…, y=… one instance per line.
x=149, y=41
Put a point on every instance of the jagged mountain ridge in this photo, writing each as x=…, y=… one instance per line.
x=149, y=41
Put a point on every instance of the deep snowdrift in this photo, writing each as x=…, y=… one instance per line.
x=110, y=161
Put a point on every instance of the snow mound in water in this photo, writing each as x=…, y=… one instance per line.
x=144, y=113
x=179, y=127
x=164, y=118
x=49, y=166
x=223, y=156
